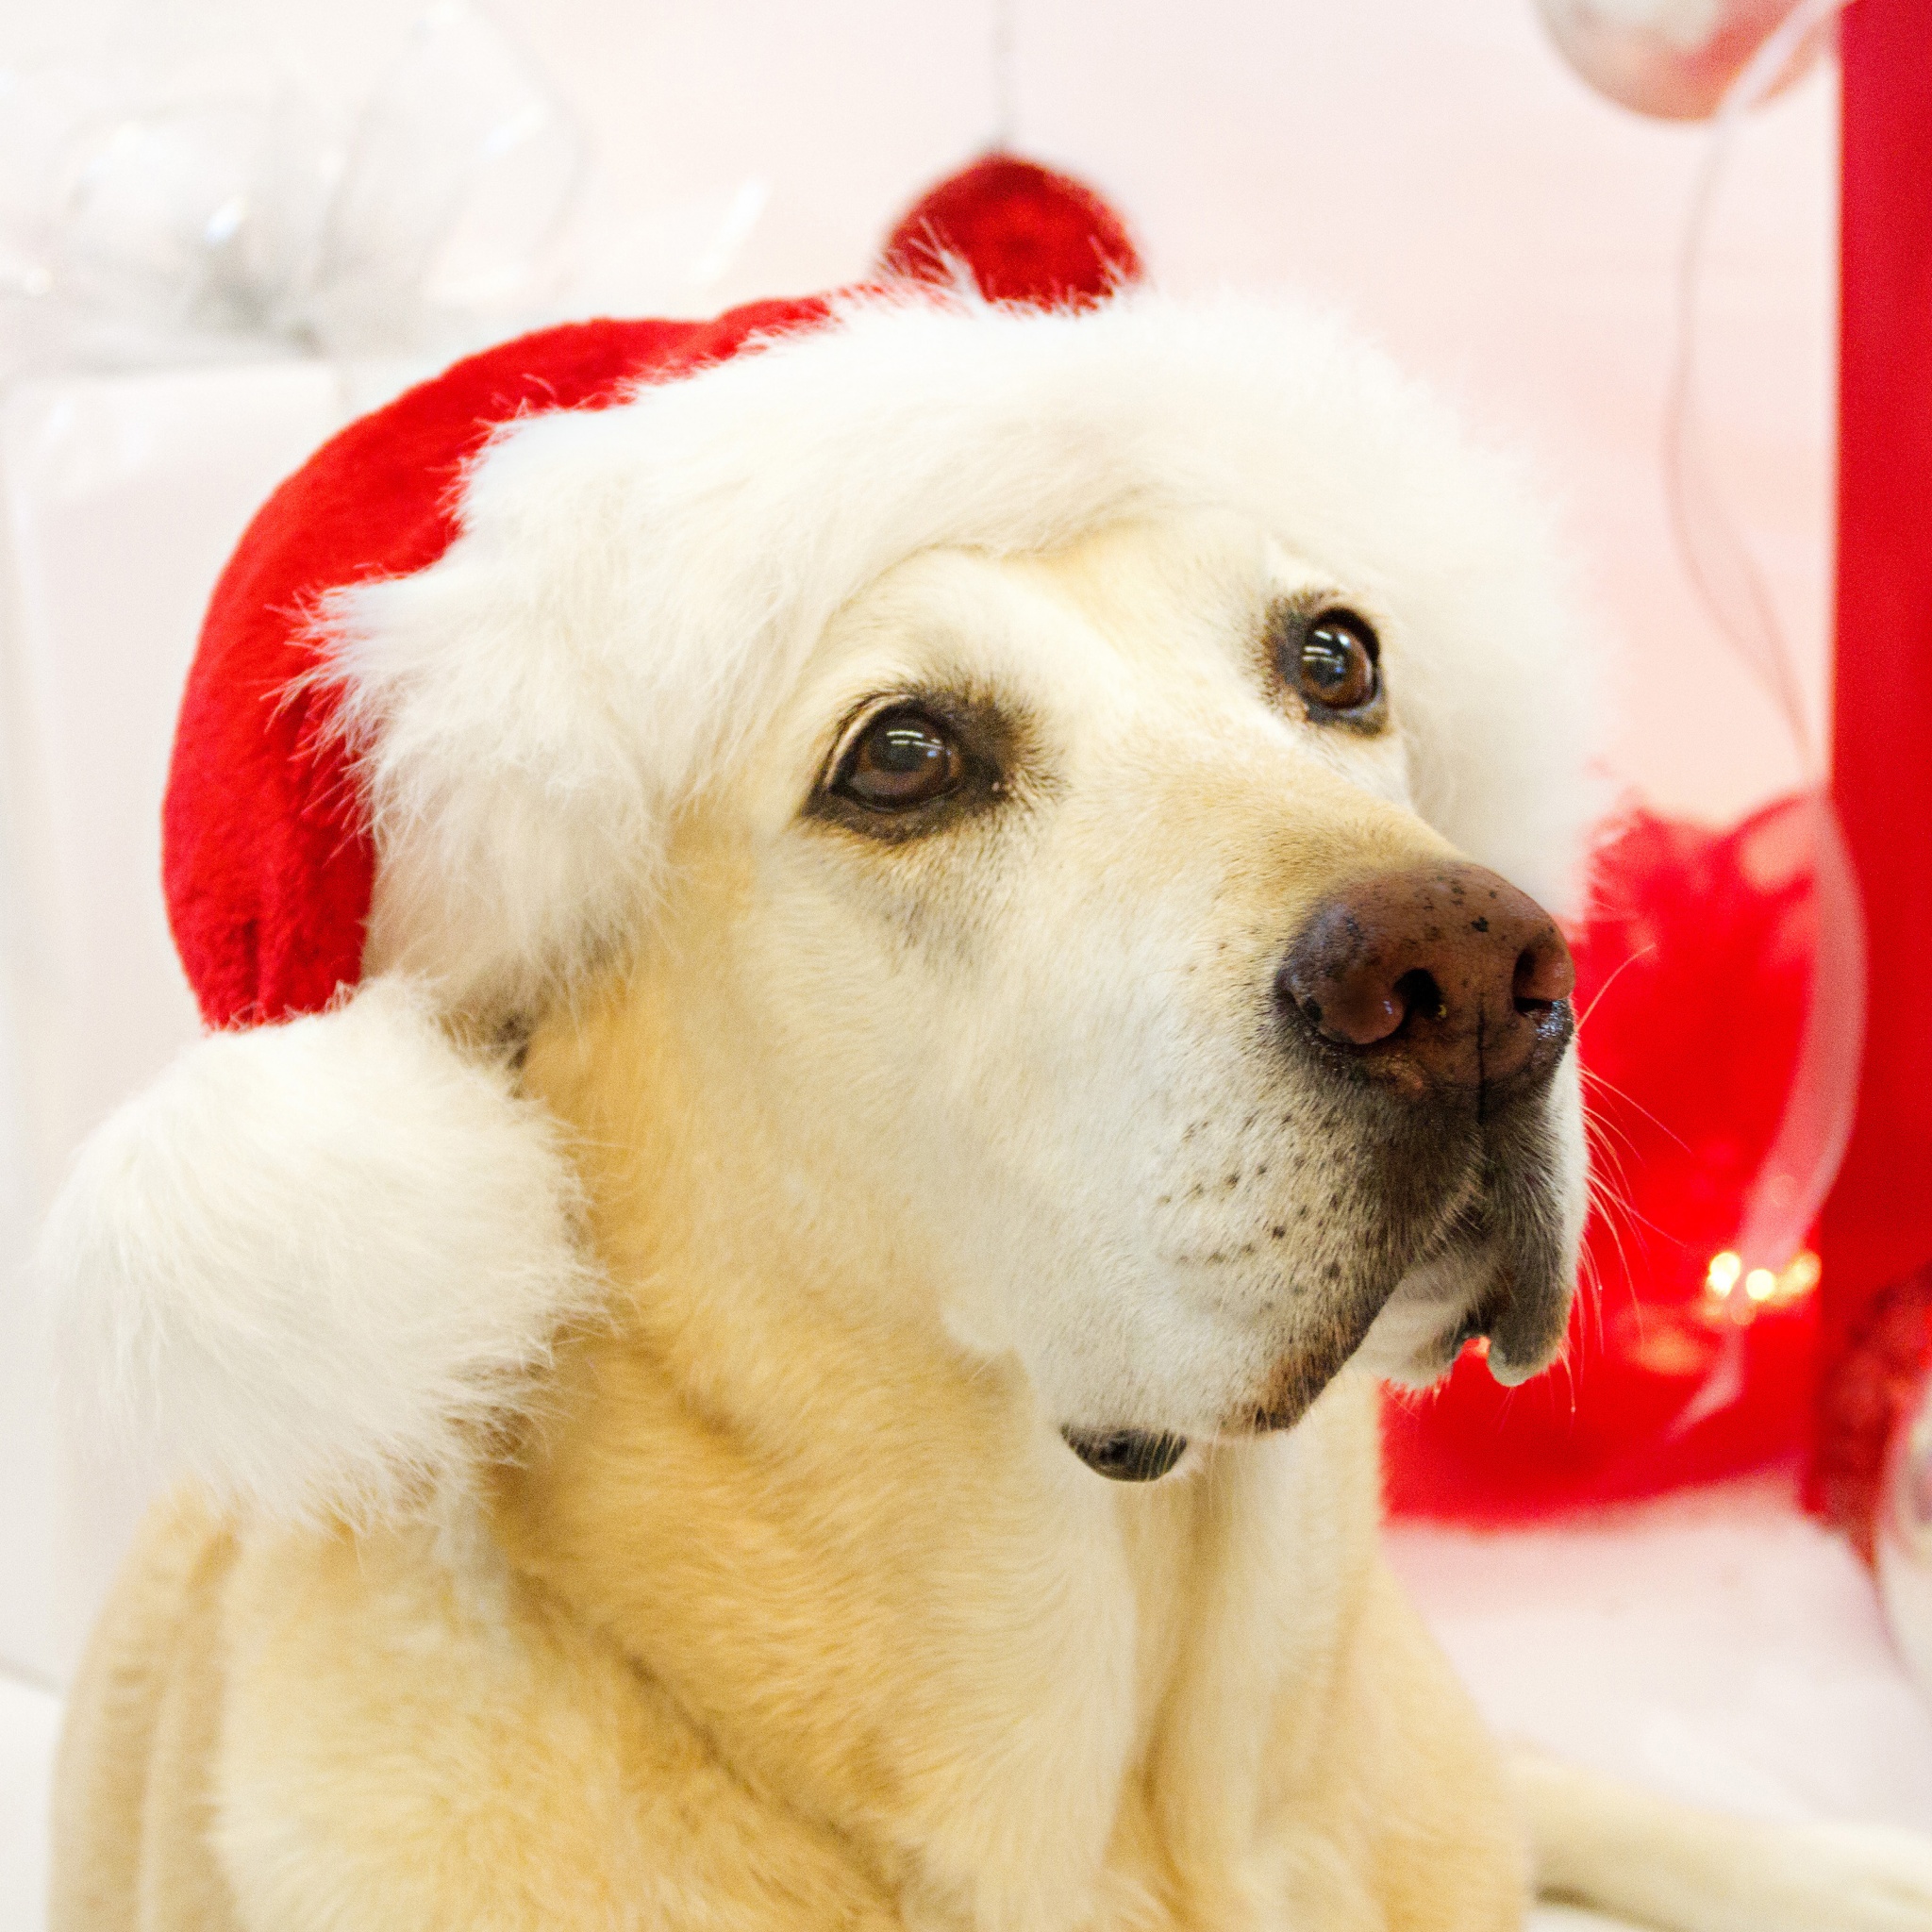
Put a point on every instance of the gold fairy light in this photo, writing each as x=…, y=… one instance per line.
x=1762, y=1288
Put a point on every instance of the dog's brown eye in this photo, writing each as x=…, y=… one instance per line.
x=1334, y=662
x=901, y=759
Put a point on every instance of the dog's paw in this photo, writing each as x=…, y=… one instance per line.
x=1795, y=1878
x=1856, y=1878
x=1625, y=1851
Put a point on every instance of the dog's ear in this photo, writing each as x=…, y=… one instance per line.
x=317, y=1264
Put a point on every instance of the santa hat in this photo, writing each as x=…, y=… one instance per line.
x=467, y=660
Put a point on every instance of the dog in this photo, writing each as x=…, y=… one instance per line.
x=1085, y=1018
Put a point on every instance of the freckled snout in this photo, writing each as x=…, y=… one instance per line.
x=1437, y=983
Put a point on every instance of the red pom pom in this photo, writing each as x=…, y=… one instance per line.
x=1027, y=235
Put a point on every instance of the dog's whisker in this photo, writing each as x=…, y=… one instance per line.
x=1592, y=1078
x=1624, y=966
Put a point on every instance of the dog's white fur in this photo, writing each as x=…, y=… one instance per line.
x=793, y=1608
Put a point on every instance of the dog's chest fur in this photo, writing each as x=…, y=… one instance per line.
x=1020, y=1697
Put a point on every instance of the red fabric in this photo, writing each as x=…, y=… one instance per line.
x=1693, y=973
x=267, y=859
x=1028, y=234
x=1878, y=1229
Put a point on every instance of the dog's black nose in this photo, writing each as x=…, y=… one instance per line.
x=1446, y=977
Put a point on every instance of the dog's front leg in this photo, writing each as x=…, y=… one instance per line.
x=1397, y=1815
x=1682, y=1870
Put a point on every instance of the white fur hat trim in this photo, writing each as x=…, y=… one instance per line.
x=315, y=1264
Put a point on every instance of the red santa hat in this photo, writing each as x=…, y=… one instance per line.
x=270, y=847
x=467, y=660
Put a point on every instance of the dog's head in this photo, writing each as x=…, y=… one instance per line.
x=1081, y=785
x=1074, y=915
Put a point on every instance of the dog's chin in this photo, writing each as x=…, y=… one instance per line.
x=1494, y=1267
x=1509, y=1299
x=1438, y=1310
x=1504, y=1288
x=1501, y=1276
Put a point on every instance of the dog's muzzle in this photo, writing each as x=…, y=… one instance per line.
x=1443, y=995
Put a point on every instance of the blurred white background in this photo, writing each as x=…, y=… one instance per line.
x=1433, y=168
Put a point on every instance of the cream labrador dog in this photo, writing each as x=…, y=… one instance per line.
x=1070, y=1036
